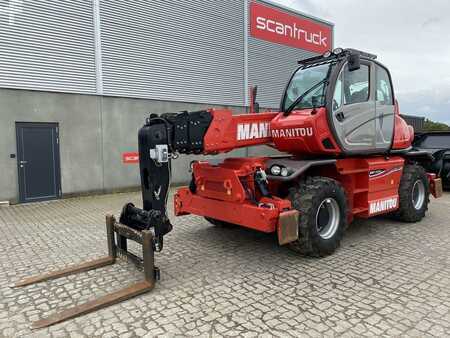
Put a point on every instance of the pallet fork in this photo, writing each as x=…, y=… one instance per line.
x=147, y=262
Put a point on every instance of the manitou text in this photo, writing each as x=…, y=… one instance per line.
x=249, y=131
x=383, y=205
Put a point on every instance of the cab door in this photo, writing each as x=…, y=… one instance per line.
x=353, y=109
x=384, y=105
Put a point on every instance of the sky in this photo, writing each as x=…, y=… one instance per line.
x=411, y=37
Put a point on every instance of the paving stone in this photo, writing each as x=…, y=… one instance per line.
x=387, y=278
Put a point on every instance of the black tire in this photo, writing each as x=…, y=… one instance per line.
x=219, y=223
x=409, y=212
x=308, y=197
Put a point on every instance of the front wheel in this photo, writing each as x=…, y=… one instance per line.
x=323, y=214
x=414, y=194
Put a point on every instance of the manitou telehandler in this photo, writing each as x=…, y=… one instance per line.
x=348, y=154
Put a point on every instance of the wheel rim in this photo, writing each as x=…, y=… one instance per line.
x=418, y=194
x=327, y=218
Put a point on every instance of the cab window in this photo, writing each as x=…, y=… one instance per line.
x=310, y=83
x=356, y=85
x=384, y=88
x=337, y=96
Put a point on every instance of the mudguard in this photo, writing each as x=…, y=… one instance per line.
x=295, y=167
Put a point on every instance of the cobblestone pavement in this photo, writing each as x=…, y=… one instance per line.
x=387, y=278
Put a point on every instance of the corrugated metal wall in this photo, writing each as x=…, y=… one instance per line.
x=191, y=50
x=174, y=50
x=270, y=65
x=47, y=45
x=417, y=122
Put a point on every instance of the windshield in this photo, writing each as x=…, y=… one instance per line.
x=302, y=81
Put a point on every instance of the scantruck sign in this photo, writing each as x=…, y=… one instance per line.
x=274, y=25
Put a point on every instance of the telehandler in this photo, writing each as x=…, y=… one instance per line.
x=347, y=154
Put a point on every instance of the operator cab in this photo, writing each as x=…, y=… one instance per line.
x=357, y=93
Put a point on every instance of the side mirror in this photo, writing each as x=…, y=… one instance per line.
x=315, y=100
x=254, y=106
x=354, y=62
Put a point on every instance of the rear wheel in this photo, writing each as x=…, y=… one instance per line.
x=414, y=194
x=323, y=215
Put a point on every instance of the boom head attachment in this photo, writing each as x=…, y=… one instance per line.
x=160, y=140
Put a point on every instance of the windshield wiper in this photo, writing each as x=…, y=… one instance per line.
x=301, y=97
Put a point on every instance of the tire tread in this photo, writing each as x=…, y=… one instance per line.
x=406, y=212
x=304, y=197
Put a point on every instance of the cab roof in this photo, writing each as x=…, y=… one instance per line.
x=335, y=54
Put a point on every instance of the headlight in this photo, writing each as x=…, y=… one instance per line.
x=337, y=51
x=275, y=170
x=327, y=54
x=284, y=172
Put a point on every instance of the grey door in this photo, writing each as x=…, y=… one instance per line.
x=354, y=109
x=38, y=161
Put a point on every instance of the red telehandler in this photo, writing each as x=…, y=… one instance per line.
x=348, y=154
